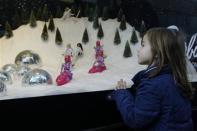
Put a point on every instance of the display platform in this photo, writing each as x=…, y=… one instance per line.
x=79, y=111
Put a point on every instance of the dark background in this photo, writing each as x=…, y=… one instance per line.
x=89, y=110
x=182, y=13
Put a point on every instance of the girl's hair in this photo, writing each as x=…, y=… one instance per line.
x=167, y=48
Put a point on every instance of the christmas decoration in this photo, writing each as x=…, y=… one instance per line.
x=123, y=23
x=120, y=14
x=96, y=22
x=44, y=34
x=8, y=30
x=36, y=77
x=99, y=65
x=5, y=77
x=28, y=57
x=85, y=37
x=105, y=15
x=58, y=37
x=127, y=50
x=3, y=89
x=117, y=39
x=65, y=74
x=100, y=33
x=32, y=19
x=51, y=25
x=134, y=38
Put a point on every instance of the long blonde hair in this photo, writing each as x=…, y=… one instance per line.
x=166, y=46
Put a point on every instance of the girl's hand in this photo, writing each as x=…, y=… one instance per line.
x=121, y=85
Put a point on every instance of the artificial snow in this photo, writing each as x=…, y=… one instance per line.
x=71, y=29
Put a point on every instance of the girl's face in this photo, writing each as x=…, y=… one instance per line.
x=144, y=53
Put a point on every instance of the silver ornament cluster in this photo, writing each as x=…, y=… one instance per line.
x=5, y=77
x=27, y=57
x=37, y=77
x=3, y=89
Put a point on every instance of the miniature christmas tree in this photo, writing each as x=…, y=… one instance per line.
x=44, y=33
x=127, y=50
x=117, y=39
x=134, y=38
x=142, y=28
x=96, y=22
x=16, y=20
x=123, y=23
x=51, y=25
x=100, y=33
x=8, y=30
x=86, y=11
x=39, y=14
x=25, y=16
x=120, y=14
x=58, y=12
x=90, y=16
x=45, y=13
x=32, y=19
x=58, y=37
x=105, y=15
x=85, y=38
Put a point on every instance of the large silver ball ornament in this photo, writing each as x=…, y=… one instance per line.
x=10, y=68
x=3, y=89
x=27, y=57
x=22, y=70
x=5, y=77
x=37, y=77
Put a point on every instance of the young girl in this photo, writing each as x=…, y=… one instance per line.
x=160, y=98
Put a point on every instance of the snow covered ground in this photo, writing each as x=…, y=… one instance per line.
x=27, y=38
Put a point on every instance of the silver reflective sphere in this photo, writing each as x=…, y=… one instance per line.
x=37, y=77
x=10, y=68
x=3, y=89
x=5, y=77
x=27, y=57
x=22, y=70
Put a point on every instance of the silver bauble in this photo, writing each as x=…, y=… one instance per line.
x=5, y=77
x=3, y=89
x=22, y=70
x=27, y=57
x=37, y=77
x=10, y=68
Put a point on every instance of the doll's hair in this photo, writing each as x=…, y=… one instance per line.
x=166, y=45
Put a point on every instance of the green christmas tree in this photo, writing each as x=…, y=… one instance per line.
x=32, y=19
x=127, y=50
x=100, y=33
x=86, y=11
x=58, y=37
x=58, y=13
x=16, y=20
x=24, y=16
x=45, y=13
x=39, y=14
x=85, y=37
x=90, y=16
x=96, y=22
x=105, y=15
x=8, y=30
x=142, y=28
x=45, y=35
x=134, y=38
x=117, y=39
x=120, y=14
x=123, y=23
x=51, y=25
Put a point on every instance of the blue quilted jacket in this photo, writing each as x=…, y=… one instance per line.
x=157, y=104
